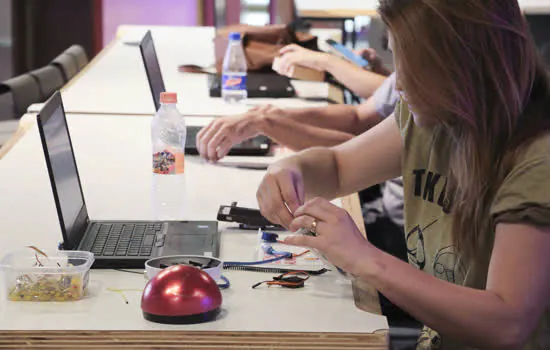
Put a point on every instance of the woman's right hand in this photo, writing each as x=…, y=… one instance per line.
x=281, y=192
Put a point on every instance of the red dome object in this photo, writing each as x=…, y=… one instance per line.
x=181, y=295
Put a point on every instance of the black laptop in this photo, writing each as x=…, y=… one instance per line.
x=256, y=146
x=115, y=244
x=258, y=85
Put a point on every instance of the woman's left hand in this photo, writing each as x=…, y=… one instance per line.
x=293, y=54
x=337, y=236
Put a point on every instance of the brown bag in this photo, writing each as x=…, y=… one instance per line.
x=261, y=44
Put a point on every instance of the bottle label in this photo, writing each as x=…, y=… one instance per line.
x=166, y=162
x=233, y=82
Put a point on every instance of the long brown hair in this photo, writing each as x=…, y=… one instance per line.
x=471, y=66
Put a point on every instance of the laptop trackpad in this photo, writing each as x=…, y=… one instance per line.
x=190, y=238
x=187, y=244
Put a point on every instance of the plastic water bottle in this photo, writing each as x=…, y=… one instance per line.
x=168, y=133
x=234, y=71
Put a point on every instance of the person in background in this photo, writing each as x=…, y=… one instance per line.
x=362, y=82
x=298, y=129
x=471, y=138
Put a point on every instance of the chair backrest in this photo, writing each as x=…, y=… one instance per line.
x=545, y=52
x=66, y=63
x=24, y=91
x=49, y=79
x=6, y=106
x=79, y=55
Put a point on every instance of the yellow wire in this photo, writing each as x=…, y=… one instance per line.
x=121, y=292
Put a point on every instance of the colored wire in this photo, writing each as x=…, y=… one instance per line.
x=268, y=249
x=295, y=279
x=128, y=271
x=300, y=254
x=121, y=292
x=271, y=269
x=260, y=262
x=226, y=283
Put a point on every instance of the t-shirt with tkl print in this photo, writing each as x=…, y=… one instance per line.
x=524, y=197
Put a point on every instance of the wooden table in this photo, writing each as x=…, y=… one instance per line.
x=154, y=340
x=327, y=317
x=114, y=188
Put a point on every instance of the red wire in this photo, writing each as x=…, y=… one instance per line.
x=302, y=253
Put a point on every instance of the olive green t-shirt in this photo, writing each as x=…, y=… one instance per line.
x=524, y=197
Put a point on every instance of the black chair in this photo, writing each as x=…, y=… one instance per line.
x=24, y=91
x=79, y=55
x=67, y=65
x=545, y=52
x=49, y=79
x=6, y=105
x=404, y=338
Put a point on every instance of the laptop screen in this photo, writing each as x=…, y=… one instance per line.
x=152, y=68
x=62, y=170
x=258, y=145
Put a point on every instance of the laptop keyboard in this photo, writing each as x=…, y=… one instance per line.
x=126, y=239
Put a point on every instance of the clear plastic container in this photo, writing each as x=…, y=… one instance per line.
x=31, y=276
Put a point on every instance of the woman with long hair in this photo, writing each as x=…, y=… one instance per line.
x=471, y=138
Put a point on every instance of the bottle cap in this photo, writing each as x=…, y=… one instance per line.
x=234, y=36
x=168, y=97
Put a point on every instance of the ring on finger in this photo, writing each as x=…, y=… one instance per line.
x=313, y=227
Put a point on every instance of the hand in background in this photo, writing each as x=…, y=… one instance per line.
x=216, y=139
x=375, y=61
x=293, y=54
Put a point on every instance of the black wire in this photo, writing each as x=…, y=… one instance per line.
x=272, y=269
x=128, y=271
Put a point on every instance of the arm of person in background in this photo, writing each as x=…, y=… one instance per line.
x=296, y=129
x=354, y=119
x=351, y=119
x=363, y=83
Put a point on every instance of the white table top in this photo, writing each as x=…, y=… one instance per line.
x=528, y=6
x=27, y=216
x=116, y=83
x=535, y=6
